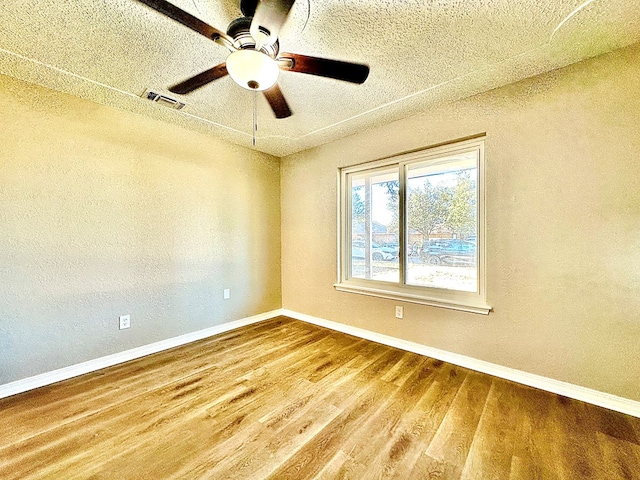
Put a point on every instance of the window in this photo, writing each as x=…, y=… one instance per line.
x=412, y=227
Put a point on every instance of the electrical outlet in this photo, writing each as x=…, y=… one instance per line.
x=399, y=311
x=226, y=294
x=125, y=321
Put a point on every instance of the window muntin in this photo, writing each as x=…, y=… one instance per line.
x=430, y=206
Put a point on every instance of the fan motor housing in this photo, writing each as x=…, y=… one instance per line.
x=239, y=30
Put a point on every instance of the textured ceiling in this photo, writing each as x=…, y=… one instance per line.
x=421, y=52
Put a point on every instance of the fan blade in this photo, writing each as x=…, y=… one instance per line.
x=324, y=67
x=270, y=14
x=277, y=102
x=200, y=80
x=186, y=19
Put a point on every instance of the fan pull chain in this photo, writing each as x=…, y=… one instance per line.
x=255, y=117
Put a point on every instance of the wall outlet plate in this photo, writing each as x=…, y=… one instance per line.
x=125, y=321
x=399, y=311
x=226, y=294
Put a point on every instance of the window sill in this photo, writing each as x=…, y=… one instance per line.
x=463, y=306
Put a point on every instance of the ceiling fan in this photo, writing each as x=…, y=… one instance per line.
x=255, y=60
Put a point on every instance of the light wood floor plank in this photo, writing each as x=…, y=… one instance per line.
x=452, y=441
x=491, y=452
x=285, y=399
x=420, y=424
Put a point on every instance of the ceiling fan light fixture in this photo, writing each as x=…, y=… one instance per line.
x=252, y=69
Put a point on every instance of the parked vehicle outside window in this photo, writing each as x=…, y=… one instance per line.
x=378, y=252
x=449, y=252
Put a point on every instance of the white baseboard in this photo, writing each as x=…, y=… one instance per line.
x=595, y=397
x=71, y=371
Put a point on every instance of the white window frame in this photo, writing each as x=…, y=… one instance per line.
x=474, y=302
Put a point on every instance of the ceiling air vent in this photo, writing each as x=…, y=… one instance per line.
x=163, y=100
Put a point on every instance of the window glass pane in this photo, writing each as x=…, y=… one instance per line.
x=442, y=223
x=374, y=225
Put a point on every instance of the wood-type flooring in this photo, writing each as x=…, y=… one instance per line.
x=283, y=399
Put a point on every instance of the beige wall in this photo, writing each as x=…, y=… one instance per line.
x=563, y=226
x=104, y=213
